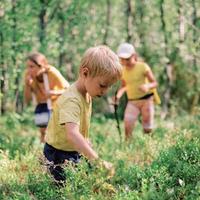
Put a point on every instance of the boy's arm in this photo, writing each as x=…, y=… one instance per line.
x=82, y=146
x=80, y=143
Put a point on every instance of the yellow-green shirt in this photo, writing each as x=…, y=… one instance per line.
x=134, y=78
x=71, y=106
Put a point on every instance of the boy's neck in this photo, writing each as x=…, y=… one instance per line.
x=80, y=87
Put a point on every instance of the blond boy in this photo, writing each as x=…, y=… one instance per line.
x=67, y=132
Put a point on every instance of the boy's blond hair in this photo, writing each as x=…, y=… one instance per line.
x=102, y=61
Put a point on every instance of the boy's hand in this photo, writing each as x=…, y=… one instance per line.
x=107, y=165
x=102, y=163
x=144, y=88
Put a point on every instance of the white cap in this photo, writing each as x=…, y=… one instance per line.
x=125, y=50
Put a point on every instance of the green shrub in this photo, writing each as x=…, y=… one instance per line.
x=164, y=166
x=177, y=170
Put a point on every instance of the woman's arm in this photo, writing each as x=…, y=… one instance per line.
x=54, y=92
x=152, y=82
x=121, y=91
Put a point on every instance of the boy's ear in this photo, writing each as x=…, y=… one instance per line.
x=85, y=71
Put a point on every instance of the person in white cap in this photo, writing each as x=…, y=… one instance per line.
x=139, y=83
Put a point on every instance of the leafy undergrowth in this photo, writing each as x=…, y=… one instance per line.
x=163, y=166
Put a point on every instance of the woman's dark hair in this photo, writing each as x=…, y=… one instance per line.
x=34, y=57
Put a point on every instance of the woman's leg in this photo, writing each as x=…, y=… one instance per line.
x=130, y=117
x=147, y=112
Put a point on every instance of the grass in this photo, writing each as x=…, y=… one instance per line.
x=163, y=166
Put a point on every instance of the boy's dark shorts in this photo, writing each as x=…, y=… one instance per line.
x=55, y=162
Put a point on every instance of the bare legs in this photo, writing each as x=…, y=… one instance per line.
x=42, y=134
x=130, y=117
x=133, y=109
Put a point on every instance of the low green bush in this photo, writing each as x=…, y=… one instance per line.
x=165, y=166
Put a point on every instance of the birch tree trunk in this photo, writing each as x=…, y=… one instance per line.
x=128, y=21
x=196, y=95
x=62, y=25
x=108, y=14
x=168, y=66
x=141, y=26
x=42, y=24
x=14, y=54
x=2, y=65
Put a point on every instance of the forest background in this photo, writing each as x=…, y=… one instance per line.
x=164, y=33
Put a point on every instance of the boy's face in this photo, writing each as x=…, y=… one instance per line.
x=129, y=62
x=97, y=86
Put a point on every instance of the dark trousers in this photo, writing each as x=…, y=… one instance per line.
x=55, y=159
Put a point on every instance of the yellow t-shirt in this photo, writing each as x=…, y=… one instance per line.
x=71, y=106
x=56, y=82
x=134, y=78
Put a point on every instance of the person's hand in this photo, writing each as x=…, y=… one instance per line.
x=28, y=79
x=109, y=167
x=48, y=93
x=144, y=88
x=42, y=71
x=115, y=100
